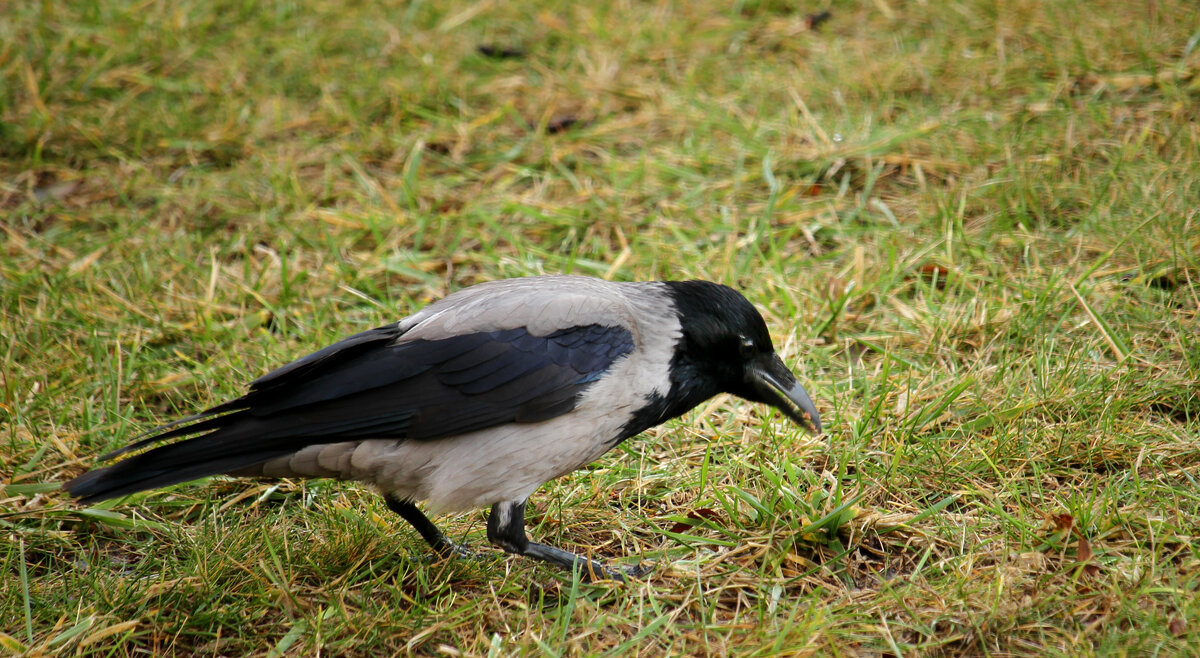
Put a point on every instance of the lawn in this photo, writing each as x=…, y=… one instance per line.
x=972, y=227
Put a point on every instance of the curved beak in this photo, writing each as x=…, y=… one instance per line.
x=779, y=388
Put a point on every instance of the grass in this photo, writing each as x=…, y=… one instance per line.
x=971, y=226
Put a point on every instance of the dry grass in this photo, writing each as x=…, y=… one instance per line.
x=972, y=227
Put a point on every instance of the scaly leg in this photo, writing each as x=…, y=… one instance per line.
x=424, y=527
x=506, y=529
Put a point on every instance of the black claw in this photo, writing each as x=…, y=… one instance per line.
x=591, y=571
x=594, y=572
x=639, y=570
x=624, y=574
x=451, y=550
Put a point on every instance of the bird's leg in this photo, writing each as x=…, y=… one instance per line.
x=424, y=527
x=506, y=529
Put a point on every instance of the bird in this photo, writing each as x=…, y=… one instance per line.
x=478, y=399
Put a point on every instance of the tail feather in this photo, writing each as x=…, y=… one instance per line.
x=140, y=473
x=232, y=443
x=214, y=418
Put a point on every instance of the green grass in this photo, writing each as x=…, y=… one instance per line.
x=972, y=228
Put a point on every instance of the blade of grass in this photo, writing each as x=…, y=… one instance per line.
x=23, y=574
x=923, y=514
x=1119, y=348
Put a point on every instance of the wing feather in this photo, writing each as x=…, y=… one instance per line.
x=374, y=385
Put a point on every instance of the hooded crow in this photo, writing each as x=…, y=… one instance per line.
x=478, y=399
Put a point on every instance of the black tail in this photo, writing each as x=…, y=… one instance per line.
x=234, y=442
x=311, y=400
x=239, y=434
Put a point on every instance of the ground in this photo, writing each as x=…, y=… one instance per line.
x=972, y=228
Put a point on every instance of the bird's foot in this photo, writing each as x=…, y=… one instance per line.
x=448, y=550
x=590, y=571
x=639, y=570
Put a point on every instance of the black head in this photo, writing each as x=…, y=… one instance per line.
x=726, y=349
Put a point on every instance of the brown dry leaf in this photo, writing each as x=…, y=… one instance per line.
x=1062, y=522
x=930, y=269
x=1084, y=550
x=1083, y=554
x=1177, y=626
x=934, y=272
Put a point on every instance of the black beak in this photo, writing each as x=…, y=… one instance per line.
x=779, y=388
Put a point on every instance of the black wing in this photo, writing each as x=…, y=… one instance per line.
x=370, y=386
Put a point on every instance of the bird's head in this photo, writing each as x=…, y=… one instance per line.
x=726, y=343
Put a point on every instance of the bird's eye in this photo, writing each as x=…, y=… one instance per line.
x=746, y=347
